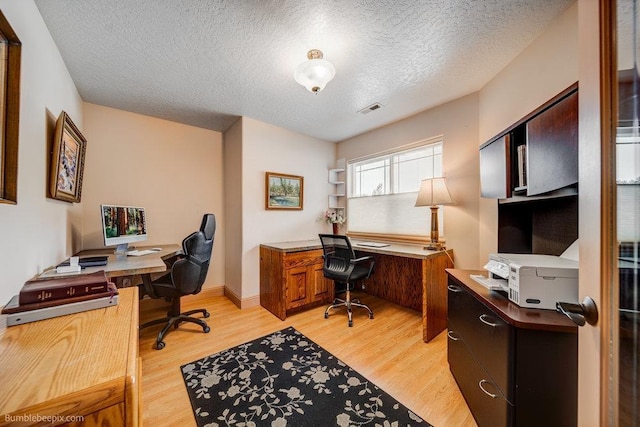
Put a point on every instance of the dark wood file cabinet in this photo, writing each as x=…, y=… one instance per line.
x=514, y=366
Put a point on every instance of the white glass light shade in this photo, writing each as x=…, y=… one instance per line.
x=315, y=73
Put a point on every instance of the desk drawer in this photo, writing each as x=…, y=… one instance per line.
x=303, y=259
x=488, y=337
x=488, y=405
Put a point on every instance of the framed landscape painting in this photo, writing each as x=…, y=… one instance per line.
x=283, y=191
x=67, y=161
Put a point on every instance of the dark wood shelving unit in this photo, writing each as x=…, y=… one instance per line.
x=537, y=213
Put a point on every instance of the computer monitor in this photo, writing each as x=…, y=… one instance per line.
x=122, y=225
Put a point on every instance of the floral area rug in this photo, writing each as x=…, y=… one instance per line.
x=285, y=379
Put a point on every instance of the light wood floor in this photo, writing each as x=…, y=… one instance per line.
x=387, y=350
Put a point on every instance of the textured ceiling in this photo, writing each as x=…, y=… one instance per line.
x=207, y=62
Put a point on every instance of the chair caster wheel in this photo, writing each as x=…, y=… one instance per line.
x=326, y=315
x=160, y=345
x=350, y=323
x=206, y=314
x=206, y=329
x=371, y=316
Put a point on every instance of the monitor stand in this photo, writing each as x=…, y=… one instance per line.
x=121, y=250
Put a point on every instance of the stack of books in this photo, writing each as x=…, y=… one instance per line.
x=46, y=298
x=522, y=167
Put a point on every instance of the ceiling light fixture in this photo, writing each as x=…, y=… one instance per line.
x=315, y=73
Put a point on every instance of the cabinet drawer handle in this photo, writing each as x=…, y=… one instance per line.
x=491, y=395
x=451, y=337
x=453, y=288
x=483, y=318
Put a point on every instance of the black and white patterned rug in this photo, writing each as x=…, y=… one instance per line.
x=285, y=379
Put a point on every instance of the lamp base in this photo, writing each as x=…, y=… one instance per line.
x=435, y=246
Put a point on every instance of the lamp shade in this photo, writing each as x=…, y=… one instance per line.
x=315, y=73
x=434, y=191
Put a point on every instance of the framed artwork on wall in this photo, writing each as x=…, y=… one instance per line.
x=67, y=161
x=10, y=51
x=283, y=191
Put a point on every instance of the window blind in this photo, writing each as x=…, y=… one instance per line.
x=390, y=214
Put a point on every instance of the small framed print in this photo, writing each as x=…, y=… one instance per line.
x=67, y=161
x=283, y=191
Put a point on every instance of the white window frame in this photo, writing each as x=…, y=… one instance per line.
x=414, y=223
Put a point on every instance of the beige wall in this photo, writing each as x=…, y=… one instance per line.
x=233, y=208
x=173, y=170
x=457, y=121
x=541, y=71
x=37, y=232
x=270, y=148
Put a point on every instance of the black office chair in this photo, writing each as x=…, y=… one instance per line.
x=342, y=266
x=186, y=277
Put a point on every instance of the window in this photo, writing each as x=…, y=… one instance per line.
x=395, y=173
x=383, y=190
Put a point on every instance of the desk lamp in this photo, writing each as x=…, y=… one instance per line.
x=434, y=192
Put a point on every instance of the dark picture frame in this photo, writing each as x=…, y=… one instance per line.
x=283, y=191
x=67, y=161
x=11, y=51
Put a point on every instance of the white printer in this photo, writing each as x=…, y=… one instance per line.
x=534, y=281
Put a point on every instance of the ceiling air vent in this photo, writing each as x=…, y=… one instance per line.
x=370, y=108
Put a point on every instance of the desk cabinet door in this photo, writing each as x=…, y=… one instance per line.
x=552, y=147
x=494, y=169
x=321, y=288
x=296, y=286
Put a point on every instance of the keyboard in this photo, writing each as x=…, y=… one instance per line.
x=140, y=253
x=373, y=244
x=491, y=284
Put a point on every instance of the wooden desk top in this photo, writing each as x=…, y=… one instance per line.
x=395, y=249
x=70, y=365
x=520, y=317
x=118, y=266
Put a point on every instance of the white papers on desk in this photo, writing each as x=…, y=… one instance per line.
x=490, y=283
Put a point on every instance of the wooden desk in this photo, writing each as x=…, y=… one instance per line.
x=83, y=364
x=122, y=269
x=291, y=279
x=527, y=358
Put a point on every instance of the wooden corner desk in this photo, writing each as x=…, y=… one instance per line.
x=123, y=269
x=291, y=279
x=79, y=369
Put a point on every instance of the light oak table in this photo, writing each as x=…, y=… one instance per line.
x=81, y=365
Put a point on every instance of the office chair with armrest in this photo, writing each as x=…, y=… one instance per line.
x=186, y=277
x=342, y=266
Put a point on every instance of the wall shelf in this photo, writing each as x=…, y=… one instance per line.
x=338, y=192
